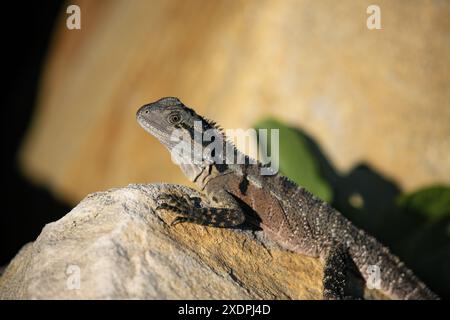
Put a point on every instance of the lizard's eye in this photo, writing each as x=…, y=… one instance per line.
x=174, y=118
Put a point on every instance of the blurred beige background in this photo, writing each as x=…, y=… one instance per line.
x=375, y=96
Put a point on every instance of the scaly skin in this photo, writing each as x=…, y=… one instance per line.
x=288, y=213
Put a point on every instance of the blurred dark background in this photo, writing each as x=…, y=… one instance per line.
x=27, y=28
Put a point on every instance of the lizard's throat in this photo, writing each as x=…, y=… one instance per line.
x=193, y=172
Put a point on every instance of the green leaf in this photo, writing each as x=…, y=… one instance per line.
x=297, y=162
x=433, y=203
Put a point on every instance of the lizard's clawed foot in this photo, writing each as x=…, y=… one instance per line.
x=179, y=204
x=188, y=209
x=191, y=210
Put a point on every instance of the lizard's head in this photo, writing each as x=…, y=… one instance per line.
x=167, y=115
x=169, y=120
x=173, y=124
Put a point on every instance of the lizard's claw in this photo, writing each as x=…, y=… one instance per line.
x=165, y=206
x=178, y=220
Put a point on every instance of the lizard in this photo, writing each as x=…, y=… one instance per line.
x=289, y=214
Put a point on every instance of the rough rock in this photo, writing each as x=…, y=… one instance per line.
x=114, y=245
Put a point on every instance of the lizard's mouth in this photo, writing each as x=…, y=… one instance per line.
x=159, y=134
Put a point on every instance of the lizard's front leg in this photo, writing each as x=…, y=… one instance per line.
x=221, y=209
